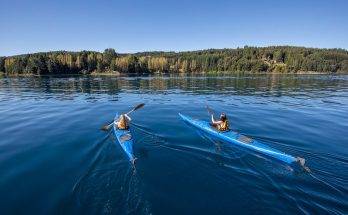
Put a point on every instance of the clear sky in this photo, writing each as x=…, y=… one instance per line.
x=29, y=26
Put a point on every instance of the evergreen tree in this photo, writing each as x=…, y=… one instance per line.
x=2, y=64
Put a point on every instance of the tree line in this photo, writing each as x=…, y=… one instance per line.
x=280, y=59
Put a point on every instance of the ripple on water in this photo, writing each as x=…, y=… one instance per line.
x=51, y=143
x=110, y=191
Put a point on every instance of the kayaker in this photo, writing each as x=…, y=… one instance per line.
x=222, y=124
x=122, y=123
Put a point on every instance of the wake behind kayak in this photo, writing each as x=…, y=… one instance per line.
x=243, y=141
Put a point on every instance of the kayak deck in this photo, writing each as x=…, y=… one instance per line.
x=240, y=140
x=125, y=139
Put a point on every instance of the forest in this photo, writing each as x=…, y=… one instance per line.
x=274, y=59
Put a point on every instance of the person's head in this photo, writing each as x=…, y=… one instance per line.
x=223, y=117
x=122, y=118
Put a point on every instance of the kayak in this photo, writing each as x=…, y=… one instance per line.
x=125, y=139
x=241, y=140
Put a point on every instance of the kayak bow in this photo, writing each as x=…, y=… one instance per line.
x=243, y=141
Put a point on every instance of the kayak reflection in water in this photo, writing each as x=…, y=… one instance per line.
x=222, y=124
x=122, y=123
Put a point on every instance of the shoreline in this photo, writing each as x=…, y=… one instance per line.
x=115, y=73
x=269, y=73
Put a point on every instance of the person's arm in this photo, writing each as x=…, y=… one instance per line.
x=215, y=122
x=128, y=117
x=218, y=122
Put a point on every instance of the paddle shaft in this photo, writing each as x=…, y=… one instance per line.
x=106, y=127
x=209, y=110
x=113, y=120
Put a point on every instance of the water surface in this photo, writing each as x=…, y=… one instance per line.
x=54, y=159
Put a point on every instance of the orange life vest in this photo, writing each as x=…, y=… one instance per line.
x=224, y=126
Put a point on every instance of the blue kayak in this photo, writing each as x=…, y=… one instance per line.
x=241, y=140
x=125, y=139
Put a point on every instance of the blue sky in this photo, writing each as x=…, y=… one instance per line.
x=29, y=26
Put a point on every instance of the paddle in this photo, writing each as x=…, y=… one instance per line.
x=209, y=110
x=106, y=127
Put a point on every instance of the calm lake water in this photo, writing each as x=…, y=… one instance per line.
x=54, y=159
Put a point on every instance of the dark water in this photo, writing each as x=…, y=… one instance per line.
x=54, y=159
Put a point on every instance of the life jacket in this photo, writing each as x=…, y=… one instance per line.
x=224, y=126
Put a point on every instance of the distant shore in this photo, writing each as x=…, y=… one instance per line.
x=269, y=60
x=211, y=73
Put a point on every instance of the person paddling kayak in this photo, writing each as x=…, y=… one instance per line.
x=123, y=132
x=222, y=124
x=122, y=123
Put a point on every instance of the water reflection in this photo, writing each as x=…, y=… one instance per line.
x=303, y=87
